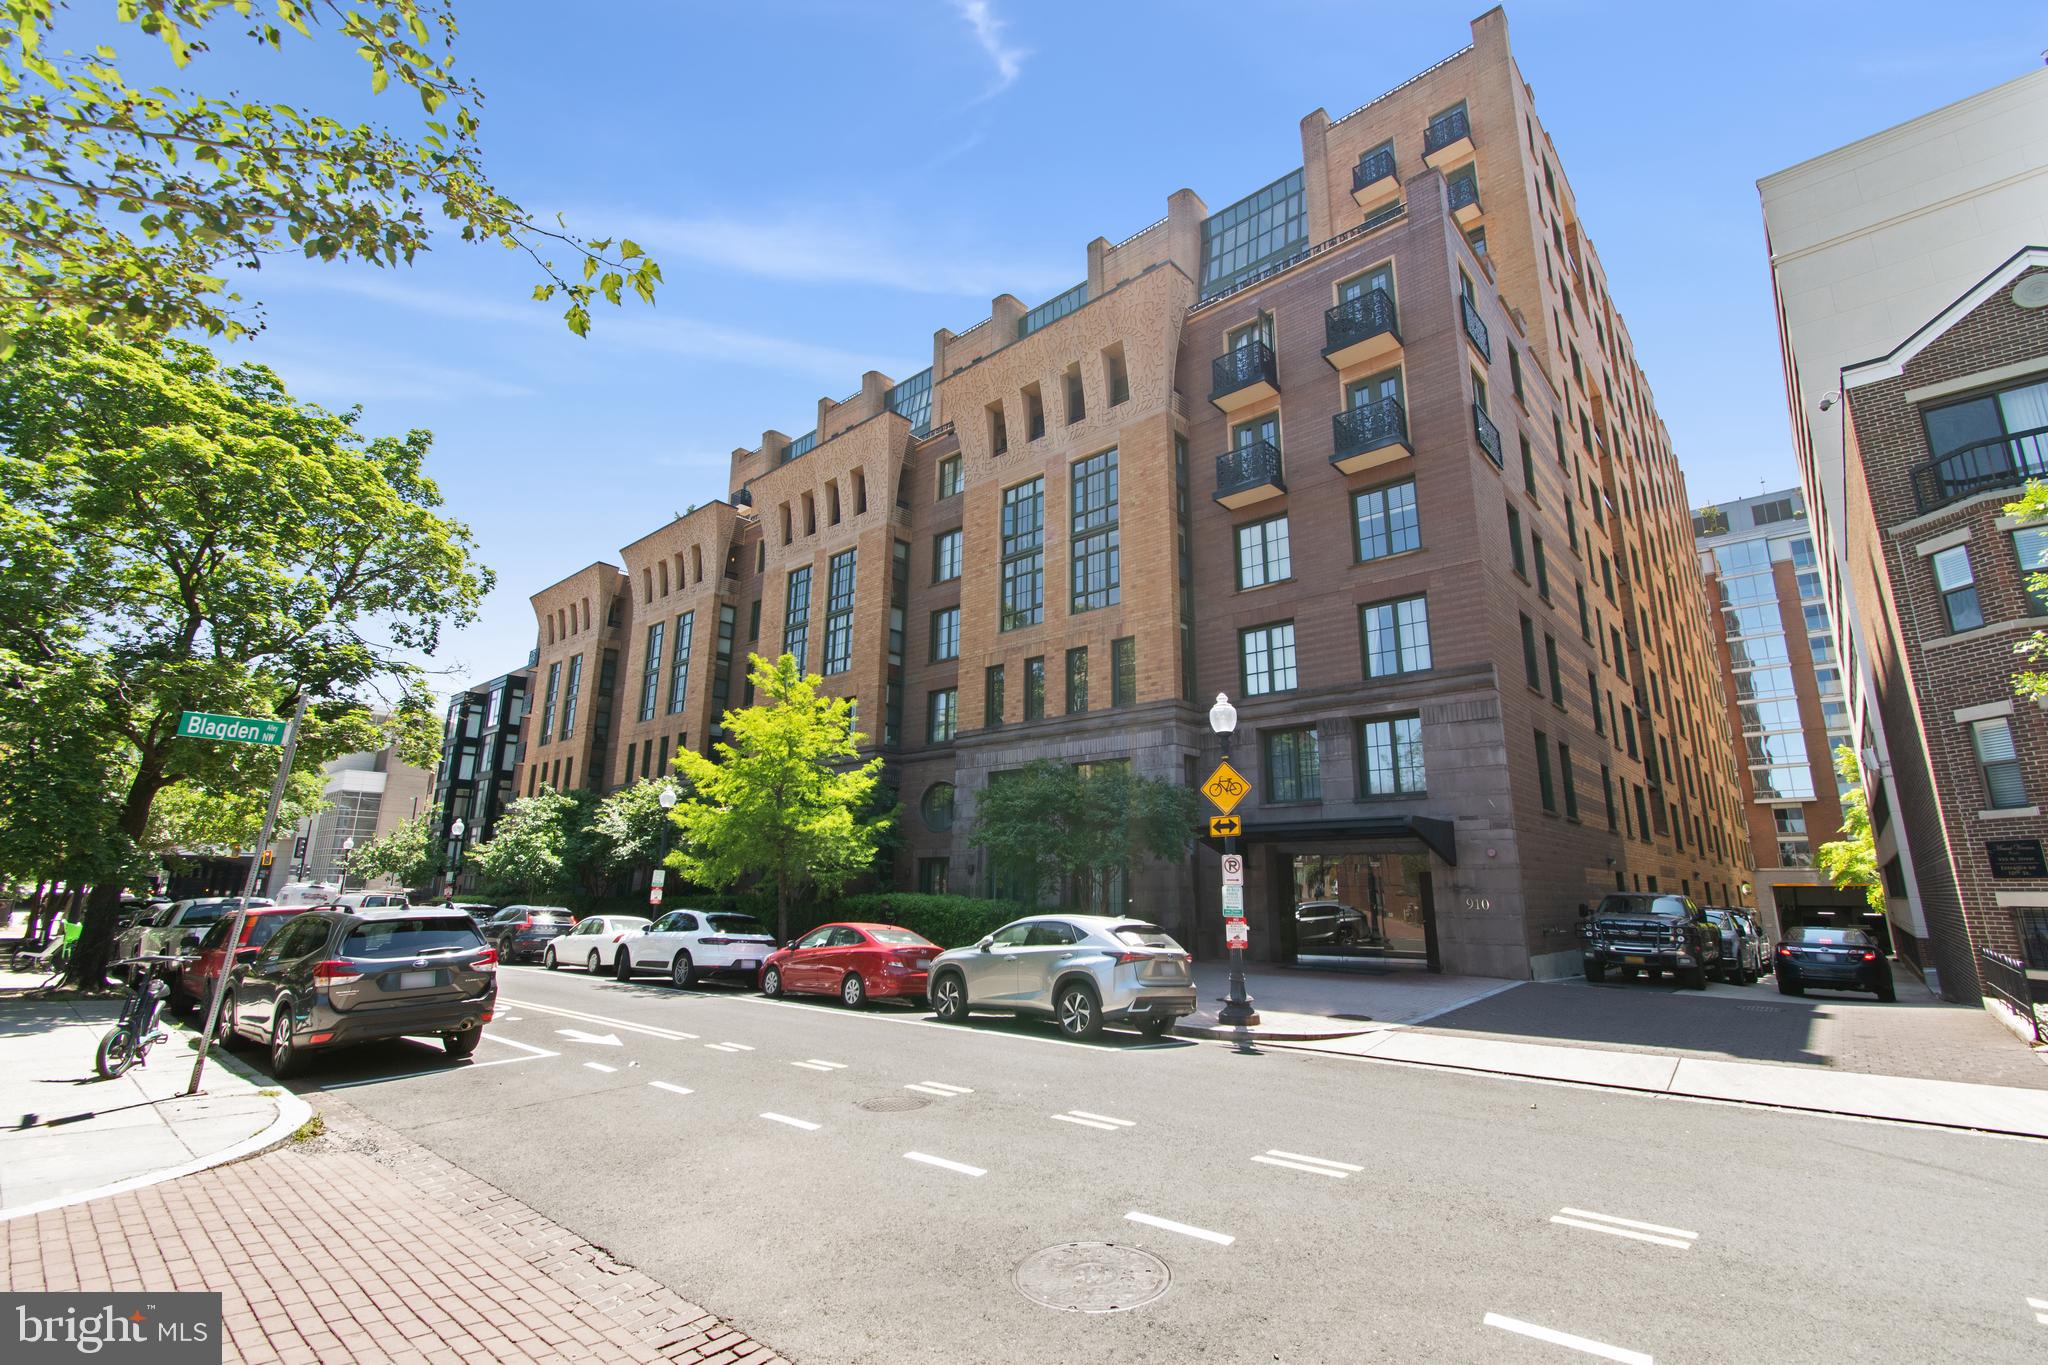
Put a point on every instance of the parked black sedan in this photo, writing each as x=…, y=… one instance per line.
x=1839, y=959
x=521, y=933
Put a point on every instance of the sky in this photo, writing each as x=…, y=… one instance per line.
x=825, y=184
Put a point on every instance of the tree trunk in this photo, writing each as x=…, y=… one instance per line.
x=88, y=968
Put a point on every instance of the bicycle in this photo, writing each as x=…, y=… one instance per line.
x=128, y=1043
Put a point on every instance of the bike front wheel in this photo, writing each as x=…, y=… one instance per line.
x=116, y=1055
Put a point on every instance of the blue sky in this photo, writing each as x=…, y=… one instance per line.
x=826, y=183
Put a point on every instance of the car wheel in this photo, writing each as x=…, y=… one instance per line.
x=771, y=983
x=853, y=992
x=949, y=999
x=547, y=959
x=1790, y=987
x=1596, y=971
x=1078, y=1013
x=224, y=1035
x=622, y=964
x=462, y=1044
x=1888, y=992
x=1749, y=976
x=593, y=966
x=1692, y=979
x=682, y=971
x=284, y=1057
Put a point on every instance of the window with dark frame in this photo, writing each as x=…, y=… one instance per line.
x=945, y=634
x=1034, y=688
x=1396, y=636
x=992, y=696
x=941, y=714
x=1023, y=546
x=1956, y=580
x=1266, y=659
x=946, y=548
x=1264, y=554
x=1390, y=761
x=1123, y=671
x=839, y=588
x=1294, y=766
x=1077, y=680
x=1097, y=552
x=1385, y=521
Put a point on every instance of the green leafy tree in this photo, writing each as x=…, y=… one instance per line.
x=539, y=850
x=628, y=827
x=2032, y=681
x=190, y=537
x=409, y=853
x=126, y=203
x=1851, y=861
x=1049, y=824
x=787, y=800
x=56, y=777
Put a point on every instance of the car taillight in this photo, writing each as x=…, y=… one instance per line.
x=1870, y=957
x=1132, y=957
x=1784, y=951
x=486, y=961
x=715, y=942
x=336, y=973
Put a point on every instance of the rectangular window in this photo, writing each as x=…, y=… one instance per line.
x=1034, y=413
x=1077, y=680
x=1266, y=659
x=945, y=634
x=1294, y=766
x=950, y=477
x=796, y=620
x=992, y=695
x=1116, y=376
x=547, y=714
x=1390, y=757
x=570, y=693
x=1123, y=671
x=1396, y=636
x=2030, y=549
x=1542, y=567
x=1585, y=622
x=1023, y=538
x=1263, y=553
x=839, y=581
x=1077, y=398
x=1386, y=521
x=1556, y=674
x=940, y=715
x=1530, y=669
x=1515, y=373
x=1097, y=553
x=946, y=556
x=998, y=432
x=1607, y=792
x=931, y=875
x=1034, y=689
x=650, y=671
x=679, y=666
x=1516, y=555
x=2004, y=788
x=1543, y=783
x=1569, y=780
x=1958, y=584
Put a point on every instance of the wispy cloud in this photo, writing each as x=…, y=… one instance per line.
x=837, y=247
x=343, y=379
x=988, y=33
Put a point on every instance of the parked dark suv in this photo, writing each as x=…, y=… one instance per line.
x=1635, y=931
x=332, y=977
x=522, y=932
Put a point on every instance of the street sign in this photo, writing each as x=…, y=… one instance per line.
x=1236, y=934
x=654, y=895
x=1225, y=826
x=1233, y=902
x=1233, y=869
x=660, y=876
x=240, y=729
x=1226, y=787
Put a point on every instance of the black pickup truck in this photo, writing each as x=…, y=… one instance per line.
x=1637, y=931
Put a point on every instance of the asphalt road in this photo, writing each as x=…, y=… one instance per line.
x=719, y=1141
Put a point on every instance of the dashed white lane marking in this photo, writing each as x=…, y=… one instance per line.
x=939, y=1088
x=1566, y=1339
x=1222, y=1239
x=1315, y=1165
x=1102, y=1121
x=804, y=1124
x=817, y=1064
x=577, y=1035
x=729, y=1047
x=1626, y=1227
x=960, y=1166
x=628, y=1025
x=2039, y=1305
x=600, y=1066
x=672, y=1089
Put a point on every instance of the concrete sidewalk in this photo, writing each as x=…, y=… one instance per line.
x=1301, y=1004
x=68, y=1136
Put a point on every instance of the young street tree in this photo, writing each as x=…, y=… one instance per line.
x=186, y=536
x=125, y=203
x=407, y=853
x=540, y=850
x=628, y=826
x=1051, y=823
x=1851, y=861
x=787, y=799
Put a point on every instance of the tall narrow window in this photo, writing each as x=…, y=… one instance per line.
x=1077, y=680
x=949, y=476
x=940, y=714
x=1396, y=636
x=1390, y=757
x=1097, y=549
x=571, y=692
x=796, y=618
x=1116, y=376
x=1266, y=659
x=1542, y=567
x=946, y=556
x=1264, y=554
x=945, y=634
x=1077, y=398
x=1569, y=781
x=2004, y=789
x=1515, y=551
x=1607, y=791
x=992, y=696
x=1958, y=583
x=839, y=584
x=1294, y=766
x=1123, y=671
x=1556, y=673
x=1023, y=601
x=1034, y=689
x=547, y=714
x=998, y=432
x=1385, y=521
x=1543, y=784
x=679, y=666
x=650, y=671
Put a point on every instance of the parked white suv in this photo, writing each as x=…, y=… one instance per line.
x=374, y=900
x=687, y=944
x=164, y=931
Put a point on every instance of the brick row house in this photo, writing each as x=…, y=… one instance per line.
x=1368, y=451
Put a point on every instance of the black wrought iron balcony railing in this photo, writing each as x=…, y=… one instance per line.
x=1369, y=426
x=2006, y=462
x=1360, y=318
x=1444, y=131
x=1475, y=326
x=1372, y=169
x=1488, y=434
x=1248, y=467
x=1240, y=367
x=1464, y=191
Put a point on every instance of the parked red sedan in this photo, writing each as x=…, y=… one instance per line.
x=192, y=986
x=856, y=962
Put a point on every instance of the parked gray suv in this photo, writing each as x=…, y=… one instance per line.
x=1083, y=971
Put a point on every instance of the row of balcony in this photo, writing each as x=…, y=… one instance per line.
x=1361, y=438
x=1447, y=142
x=2006, y=462
x=1359, y=330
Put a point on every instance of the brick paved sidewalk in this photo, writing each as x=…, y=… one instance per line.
x=361, y=1245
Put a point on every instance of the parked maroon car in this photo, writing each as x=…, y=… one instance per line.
x=192, y=984
x=856, y=962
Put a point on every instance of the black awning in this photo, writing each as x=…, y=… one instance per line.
x=1439, y=836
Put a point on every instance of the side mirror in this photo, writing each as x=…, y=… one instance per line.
x=987, y=943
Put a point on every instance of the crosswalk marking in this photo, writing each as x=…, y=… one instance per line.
x=804, y=1124
x=818, y=1064
x=729, y=1047
x=600, y=1066
x=672, y=1089
x=939, y=1088
x=1314, y=1165
x=960, y=1166
x=1566, y=1339
x=1102, y=1121
x=1222, y=1239
x=1655, y=1233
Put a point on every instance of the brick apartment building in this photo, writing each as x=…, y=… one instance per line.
x=1939, y=435
x=1368, y=450
x=1781, y=673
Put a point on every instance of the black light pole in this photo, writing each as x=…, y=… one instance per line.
x=455, y=832
x=666, y=798
x=1237, y=1009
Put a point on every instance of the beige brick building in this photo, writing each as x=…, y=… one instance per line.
x=1368, y=450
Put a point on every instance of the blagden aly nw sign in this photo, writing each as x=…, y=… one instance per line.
x=117, y=1329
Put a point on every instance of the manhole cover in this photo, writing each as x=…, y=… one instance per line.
x=1092, y=1277
x=893, y=1104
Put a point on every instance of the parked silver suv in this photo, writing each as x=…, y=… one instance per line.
x=1081, y=970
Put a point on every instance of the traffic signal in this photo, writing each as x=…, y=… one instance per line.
x=267, y=859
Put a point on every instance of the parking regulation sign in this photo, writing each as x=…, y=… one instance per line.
x=1233, y=869
x=1236, y=934
x=1233, y=902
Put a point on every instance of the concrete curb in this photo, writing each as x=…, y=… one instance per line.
x=292, y=1113
x=1262, y=1034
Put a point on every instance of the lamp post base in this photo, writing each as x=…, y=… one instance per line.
x=1237, y=1011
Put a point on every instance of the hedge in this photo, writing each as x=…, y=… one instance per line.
x=949, y=921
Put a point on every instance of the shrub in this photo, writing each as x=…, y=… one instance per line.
x=949, y=921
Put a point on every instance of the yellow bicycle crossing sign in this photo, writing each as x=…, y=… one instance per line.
x=1226, y=787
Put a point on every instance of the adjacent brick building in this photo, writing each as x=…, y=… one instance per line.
x=1367, y=450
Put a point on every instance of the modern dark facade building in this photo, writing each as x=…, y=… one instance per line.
x=480, y=754
x=1367, y=450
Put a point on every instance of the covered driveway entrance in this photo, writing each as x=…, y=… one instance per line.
x=1350, y=894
